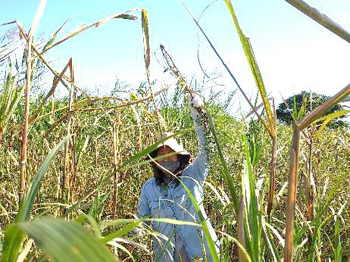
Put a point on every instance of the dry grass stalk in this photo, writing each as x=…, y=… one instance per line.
x=147, y=58
x=115, y=140
x=320, y=18
x=123, y=15
x=68, y=133
x=28, y=84
x=272, y=163
x=294, y=165
x=56, y=80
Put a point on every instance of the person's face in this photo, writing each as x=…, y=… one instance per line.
x=165, y=150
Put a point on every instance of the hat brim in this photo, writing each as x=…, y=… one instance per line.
x=174, y=145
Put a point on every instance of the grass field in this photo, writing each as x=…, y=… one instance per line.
x=71, y=168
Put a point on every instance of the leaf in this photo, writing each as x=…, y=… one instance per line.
x=65, y=241
x=302, y=110
x=121, y=232
x=253, y=219
x=248, y=50
x=145, y=30
x=83, y=28
x=53, y=38
x=13, y=235
x=225, y=169
x=202, y=221
x=337, y=242
x=149, y=149
x=329, y=118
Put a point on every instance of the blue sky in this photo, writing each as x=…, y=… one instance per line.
x=294, y=53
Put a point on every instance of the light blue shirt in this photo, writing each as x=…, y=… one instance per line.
x=172, y=201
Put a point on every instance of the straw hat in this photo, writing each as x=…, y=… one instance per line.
x=173, y=144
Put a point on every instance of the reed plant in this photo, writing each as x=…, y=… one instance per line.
x=83, y=159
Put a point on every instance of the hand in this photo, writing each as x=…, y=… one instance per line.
x=197, y=101
x=138, y=231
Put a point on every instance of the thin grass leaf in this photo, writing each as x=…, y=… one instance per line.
x=150, y=149
x=121, y=232
x=53, y=38
x=320, y=18
x=337, y=242
x=319, y=221
x=226, y=173
x=254, y=214
x=78, y=31
x=27, y=204
x=329, y=118
x=240, y=229
x=302, y=110
x=230, y=73
x=271, y=244
x=248, y=50
x=121, y=247
x=210, y=241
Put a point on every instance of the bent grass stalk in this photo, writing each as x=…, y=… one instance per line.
x=298, y=127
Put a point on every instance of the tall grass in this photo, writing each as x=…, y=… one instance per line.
x=95, y=181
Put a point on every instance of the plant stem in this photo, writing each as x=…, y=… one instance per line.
x=292, y=190
x=272, y=175
x=115, y=159
x=320, y=18
x=26, y=120
x=68, y=132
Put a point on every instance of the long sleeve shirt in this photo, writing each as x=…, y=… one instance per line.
x=172, y=201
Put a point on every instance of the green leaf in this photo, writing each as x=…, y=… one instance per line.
x=203, y=222
x=337, y=243
x=121, y=232
x=253, y=217
x=149, y=149
x=65, y=241
x=53, y=38
x=249, y=53
x=329, y=118
x=225, y=169
x=13, y=235
x=302, y=110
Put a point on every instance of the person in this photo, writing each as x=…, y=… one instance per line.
x=164, y=196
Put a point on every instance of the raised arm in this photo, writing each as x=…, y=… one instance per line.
x=200, y=166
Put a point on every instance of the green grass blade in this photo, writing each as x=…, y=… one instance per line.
x=53, y=37
x=270, y=242
x=254, y=214
x=319, y=222
x=302, y=110
x=65, y=241
x=13, y=236
x=337, y=243
x=226, y=172
x=27, y=204
x=150, y=149
x=248, y=50
x=121, y=232
x=329, y=118
x=210, y=241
